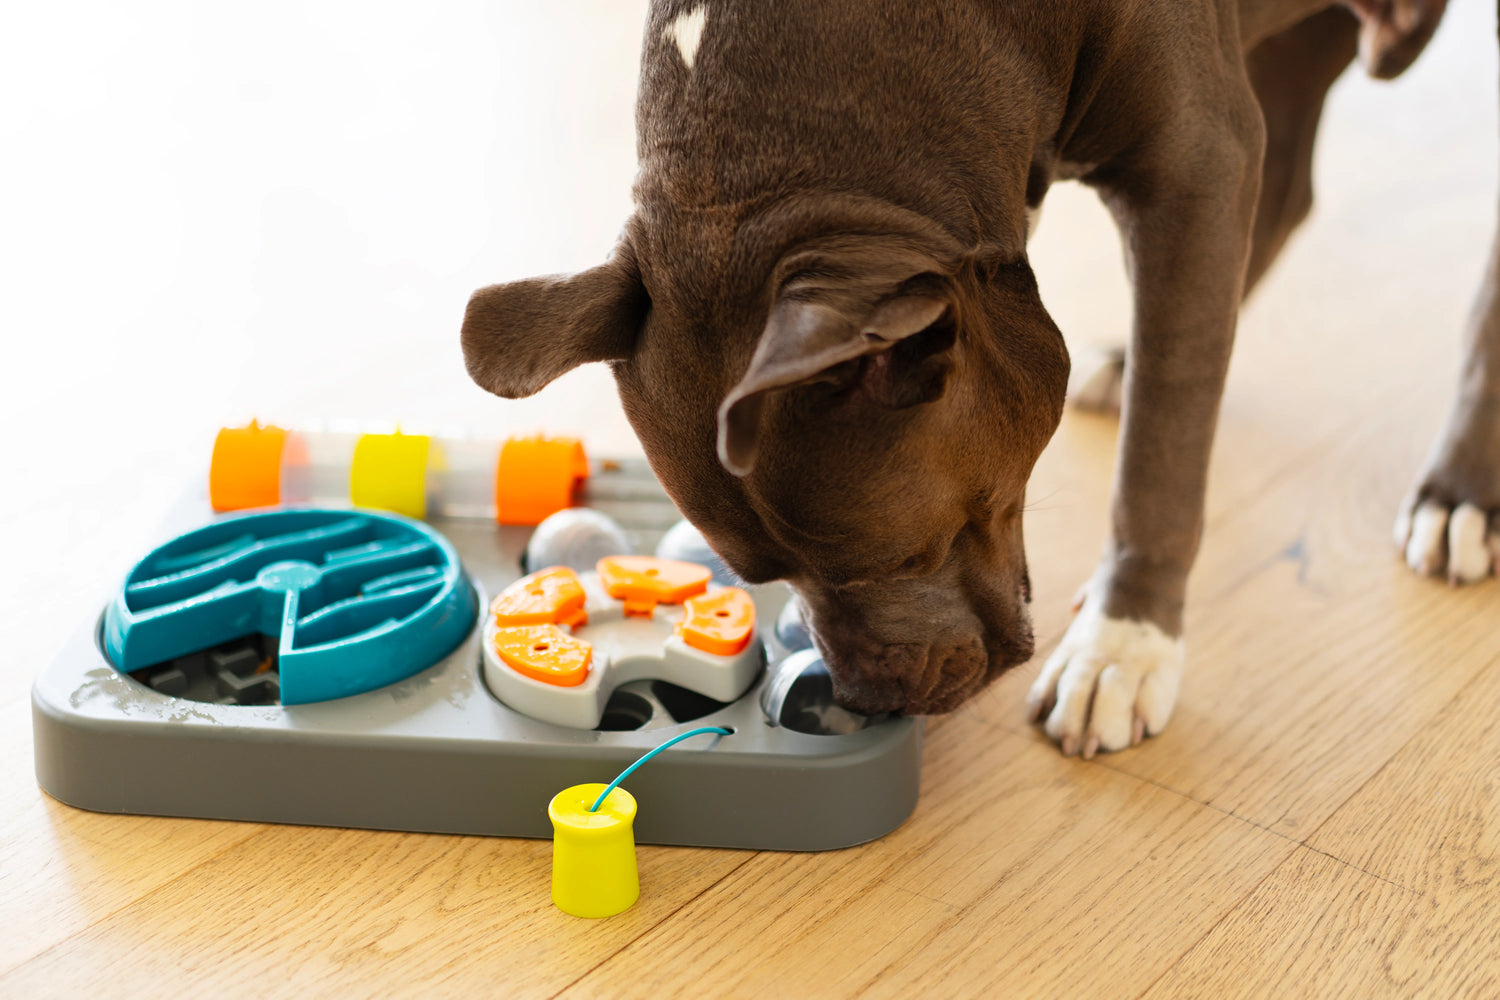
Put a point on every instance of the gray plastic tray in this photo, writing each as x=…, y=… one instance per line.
x=439, y=753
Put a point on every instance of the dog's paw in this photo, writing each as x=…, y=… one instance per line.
x=1460, y=542
x=1109, y=684
x=1098, y=376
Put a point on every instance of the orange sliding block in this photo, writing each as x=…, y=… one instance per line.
x=720, y=623
x=643, y=582
x=536, y=477
x=246, y=468
x=549, y=597
x=545, y=653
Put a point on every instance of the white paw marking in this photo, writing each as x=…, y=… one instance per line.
x=1109, y=683
x=1427, y=548
x=687, y=31
x=1458, y=543
x=1469, y=554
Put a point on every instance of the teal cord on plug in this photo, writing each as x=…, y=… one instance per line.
x=720, y=730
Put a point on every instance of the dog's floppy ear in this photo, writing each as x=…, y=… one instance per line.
x=1394, y=33
x=520, y=336
x=813, y=329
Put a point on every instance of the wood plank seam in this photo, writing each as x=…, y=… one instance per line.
x=1446, y=708
x=1249, y=894
x=1349, y=864
x=1290, y=859
x=1416, y=732
x=1105, y=763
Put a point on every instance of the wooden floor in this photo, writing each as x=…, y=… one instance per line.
x=1322, y=817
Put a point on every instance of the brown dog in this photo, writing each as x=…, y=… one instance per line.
x=827, y=335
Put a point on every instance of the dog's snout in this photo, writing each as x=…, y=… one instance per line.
x=920, y=647
x=914, y=678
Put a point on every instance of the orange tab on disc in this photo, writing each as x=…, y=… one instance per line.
x=549, y=597
x=545, y=653
x=720, y=623
x=643, y=582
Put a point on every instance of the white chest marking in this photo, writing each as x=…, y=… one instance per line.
x=687, y=32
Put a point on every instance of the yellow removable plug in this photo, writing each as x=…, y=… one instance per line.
x=593, y=853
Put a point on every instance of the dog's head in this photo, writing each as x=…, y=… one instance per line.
x=839, y=374
x=854, y=408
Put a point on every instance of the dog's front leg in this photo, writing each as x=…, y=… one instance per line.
x=1450, y=524
x=1186, y=219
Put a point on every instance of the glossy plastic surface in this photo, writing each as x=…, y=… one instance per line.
x=357, y=600
x=439, y=752
x=246, y=467
x=557, y=645
x=594, y=872
x=545, y=653
x=389, y=472
x=721, y=622
x=536, y=477
x=576, y=538
x=643, y=582
x=551, y=596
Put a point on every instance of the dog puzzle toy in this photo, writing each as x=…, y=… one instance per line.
x=337, y=661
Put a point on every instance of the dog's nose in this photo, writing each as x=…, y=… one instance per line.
x=919, y=646
x=913, y=678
